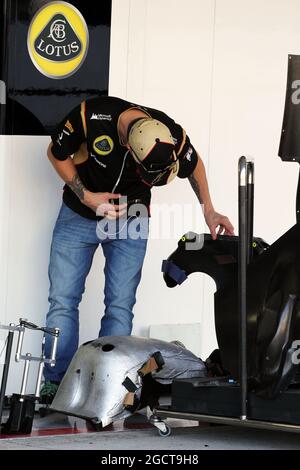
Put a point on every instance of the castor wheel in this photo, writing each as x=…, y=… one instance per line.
x=166, y=432
x=163, y=429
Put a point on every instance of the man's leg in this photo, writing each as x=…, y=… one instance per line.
x=73, y=246
x=123, y=268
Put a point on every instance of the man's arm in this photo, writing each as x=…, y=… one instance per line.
x=213, y=219
x=98, y=202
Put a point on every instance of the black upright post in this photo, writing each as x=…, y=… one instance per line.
x=242, y=281
x=10, y=338
x=298, y=200
x=250, y=209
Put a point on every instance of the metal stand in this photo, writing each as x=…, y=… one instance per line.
x=246, y=193
x=22, y=405
x=246, y=199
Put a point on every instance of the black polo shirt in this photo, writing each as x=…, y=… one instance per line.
x=109, y=167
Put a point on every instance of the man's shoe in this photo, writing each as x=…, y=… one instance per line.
x=48, y=392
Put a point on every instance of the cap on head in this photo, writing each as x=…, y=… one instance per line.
x=153, y=149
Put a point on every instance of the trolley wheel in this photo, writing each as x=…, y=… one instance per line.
x=166, y=432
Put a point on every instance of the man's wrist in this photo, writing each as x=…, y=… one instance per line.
x=87, y=197
x=207, y=208
x=77, y=187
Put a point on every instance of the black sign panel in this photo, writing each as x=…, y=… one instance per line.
x=40, y=39
x=289, y=149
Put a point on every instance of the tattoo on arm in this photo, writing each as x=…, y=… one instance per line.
x=77, y=186
x=195, y=186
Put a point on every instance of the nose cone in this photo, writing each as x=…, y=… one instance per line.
x=92, y=386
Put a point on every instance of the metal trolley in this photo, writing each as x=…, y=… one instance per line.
x=22, y=405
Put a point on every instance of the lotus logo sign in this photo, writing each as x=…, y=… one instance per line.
x=58, y=40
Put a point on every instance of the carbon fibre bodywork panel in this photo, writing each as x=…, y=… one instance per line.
x=273, y=307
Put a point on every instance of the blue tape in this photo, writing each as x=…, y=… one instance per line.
x=172, y=270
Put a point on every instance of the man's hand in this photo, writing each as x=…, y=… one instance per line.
x=214, y=220
x=102, y=205
x=98, y=202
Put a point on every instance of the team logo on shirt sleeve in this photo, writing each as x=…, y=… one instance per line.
x=69, y=126
x=103, y=145
x=188, y=155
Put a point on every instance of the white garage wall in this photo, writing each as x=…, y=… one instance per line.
x=30, y=202
x=217, y=67
x=252, y=43
x=161, y=43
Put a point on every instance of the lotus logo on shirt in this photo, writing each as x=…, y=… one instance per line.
x=103, y=145
x=58, y=40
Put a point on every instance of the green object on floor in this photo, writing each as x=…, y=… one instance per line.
x=48, y=392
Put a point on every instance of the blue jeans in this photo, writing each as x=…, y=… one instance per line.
x=73, y=246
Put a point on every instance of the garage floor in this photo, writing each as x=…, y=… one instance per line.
x=60, y=432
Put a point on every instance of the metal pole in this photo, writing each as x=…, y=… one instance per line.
x=25, y=375
x=40, y=370
x=242, y=282
x=250, y=423
x=250, y=209
x=10, y=338
x=39, y=378
x=54, y=347
x=19, y=345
